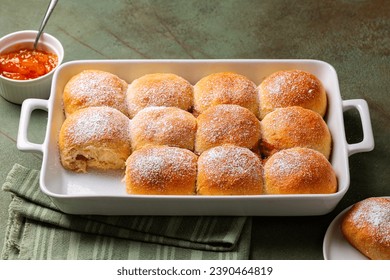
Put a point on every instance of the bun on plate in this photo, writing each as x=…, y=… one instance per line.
x=366, y=226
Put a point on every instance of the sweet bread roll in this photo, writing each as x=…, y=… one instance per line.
x=163, y=126
x=94, y=88
x=159, y=89
x=225, y=88
x=95, y=137
x=292, y=88
x=366, y=226
x=227, y=124
x=161, y=170
x=294, y=127
x=299, y=171
x=229, y=170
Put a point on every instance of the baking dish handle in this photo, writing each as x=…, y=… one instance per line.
x=28, y=106
x=367, y=144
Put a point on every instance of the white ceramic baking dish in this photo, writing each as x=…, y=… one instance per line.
x=94, y=193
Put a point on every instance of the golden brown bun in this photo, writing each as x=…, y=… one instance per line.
x=161, y=170
x=366, y=226
x=225, y=88
x=227, y=124
x=292, y=88
x=95, y=137
x=92, y=88
x=229, y=170
x=299, y=171
x=163, y=126
x=159, y=89
x=294, y=127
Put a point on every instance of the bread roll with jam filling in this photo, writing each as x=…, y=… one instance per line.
x=95, y=137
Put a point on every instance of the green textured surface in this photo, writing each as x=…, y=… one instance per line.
x=353, y=36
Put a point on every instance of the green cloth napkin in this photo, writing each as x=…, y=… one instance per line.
x=37, y=229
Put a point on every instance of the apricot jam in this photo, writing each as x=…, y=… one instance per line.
x=27, y=64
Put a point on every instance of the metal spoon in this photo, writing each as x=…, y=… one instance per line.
x=49, y=10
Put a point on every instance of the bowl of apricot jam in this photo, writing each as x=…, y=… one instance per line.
x=26, y=72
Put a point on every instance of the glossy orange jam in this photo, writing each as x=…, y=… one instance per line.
x=27, y=64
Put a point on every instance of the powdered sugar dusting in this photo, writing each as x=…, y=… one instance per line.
x=163, y=126
x=97, y=88
x=160, y=89
x=97, y=123
x=294, y=161
x=375, y=213
x=230, y=161
x=295, y=126
x=228, y=124
x=225, y=88
x=292, y=87
x=307, y=124
x=159, y=165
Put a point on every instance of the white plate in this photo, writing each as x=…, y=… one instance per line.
x=335, y=246
x=101, y=194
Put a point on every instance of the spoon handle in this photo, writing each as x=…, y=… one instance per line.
x=49, y=10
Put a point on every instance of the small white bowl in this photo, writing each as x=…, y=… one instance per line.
x=16, y=91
